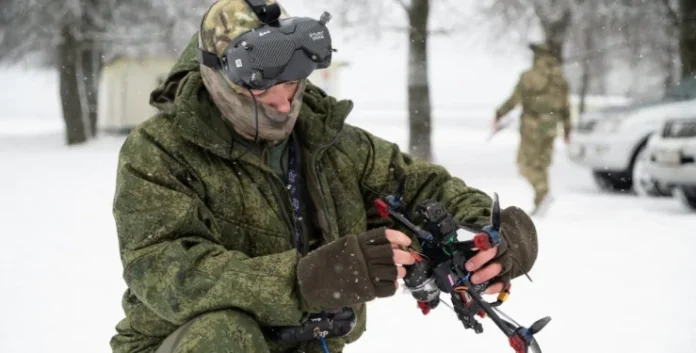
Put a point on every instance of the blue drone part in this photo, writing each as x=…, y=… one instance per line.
x=493, y=234
x=394, y=202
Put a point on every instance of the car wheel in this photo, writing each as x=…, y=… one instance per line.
x=643, y=184
x=687, y=196
x=611, y=181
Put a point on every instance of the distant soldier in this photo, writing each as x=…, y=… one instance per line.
x=543, y=92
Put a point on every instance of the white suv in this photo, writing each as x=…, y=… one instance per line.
x=612, y=143
x=671, y=157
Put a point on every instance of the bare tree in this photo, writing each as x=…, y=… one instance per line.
x=668, y=29
x=687, y=37
x=60, y=33
x=148, y=27
x=75, y=36
x=597, y=37
x=645, y=35
x=410, y=17
x=553, y=17
x=588, y=44
x=50, y=30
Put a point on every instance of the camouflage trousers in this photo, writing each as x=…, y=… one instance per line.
x=231, y=331
x=534, y=157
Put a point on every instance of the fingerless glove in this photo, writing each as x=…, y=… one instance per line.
x=518, y=249
x=350, y=270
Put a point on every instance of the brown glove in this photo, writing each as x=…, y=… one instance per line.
x=518, y=248
x=350, y=270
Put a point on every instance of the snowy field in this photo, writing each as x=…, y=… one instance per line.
x=616, y=273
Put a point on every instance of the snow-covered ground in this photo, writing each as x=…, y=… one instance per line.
x=616, y=273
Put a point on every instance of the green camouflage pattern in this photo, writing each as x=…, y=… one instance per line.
x=534, y=156
x=230, y=331
x=202, y=225
x=543, y=92
x=226, y=20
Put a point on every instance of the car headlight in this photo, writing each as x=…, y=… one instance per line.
x=609, y=125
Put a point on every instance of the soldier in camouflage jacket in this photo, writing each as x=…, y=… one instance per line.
x=543, y=93
x=205, y=221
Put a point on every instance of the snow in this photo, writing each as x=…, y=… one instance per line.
x=615, y=272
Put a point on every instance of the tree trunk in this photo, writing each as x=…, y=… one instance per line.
x=668, y=63
x=584, y=86
x=687, y=37
x=91, y=66
x=589, y=47
x=556, y=32
x=67, y=52
x=419, y=115
x=90, y=61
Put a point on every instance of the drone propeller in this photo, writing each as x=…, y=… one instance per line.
x=495, y=213
x=534, y=346
x=533, y=330
x=539, y=324
x=523, y=339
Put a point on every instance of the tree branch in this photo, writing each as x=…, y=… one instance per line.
x=403, y=5
x=672, y=14
x=99, y=21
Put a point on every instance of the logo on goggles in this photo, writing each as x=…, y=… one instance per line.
x=281, y=50
x=317, y=35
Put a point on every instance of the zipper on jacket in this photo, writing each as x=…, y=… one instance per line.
x=303, y=232
x=282, y=204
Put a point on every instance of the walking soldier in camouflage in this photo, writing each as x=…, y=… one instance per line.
x=543, y=93
x=243, y=209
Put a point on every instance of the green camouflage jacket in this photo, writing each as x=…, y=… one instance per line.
x=543, y=93
x=201, y=224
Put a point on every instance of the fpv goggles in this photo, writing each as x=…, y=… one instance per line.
x=281, y=50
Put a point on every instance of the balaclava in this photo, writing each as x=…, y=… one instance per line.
x=224, y=21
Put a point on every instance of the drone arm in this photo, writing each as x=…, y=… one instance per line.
x=488, y=309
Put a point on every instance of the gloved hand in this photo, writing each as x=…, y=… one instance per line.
x=514, y=256
x=353, y=269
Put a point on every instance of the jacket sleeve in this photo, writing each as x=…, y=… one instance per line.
x=512, y=101
x=385, y=165
x=171, y=249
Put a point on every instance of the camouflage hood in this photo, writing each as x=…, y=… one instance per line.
x=163, y=97
x=183, y=97
x=224, y=21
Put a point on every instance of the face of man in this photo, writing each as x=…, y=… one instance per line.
x=276, y=101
